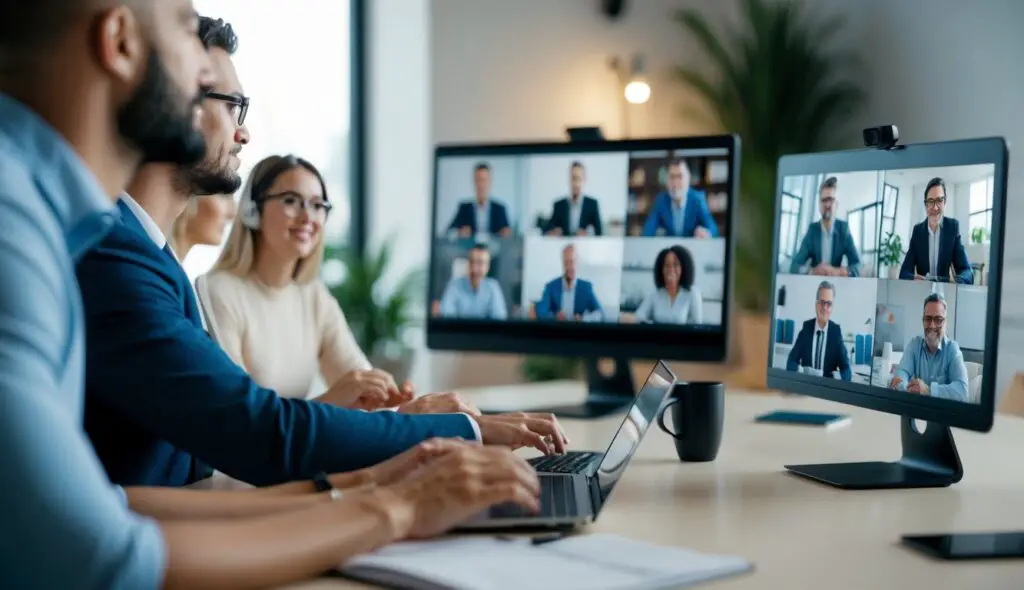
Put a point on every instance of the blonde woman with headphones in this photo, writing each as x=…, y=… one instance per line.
x=268, y=309
x=203, y=223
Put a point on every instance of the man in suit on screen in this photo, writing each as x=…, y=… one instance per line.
x=681, y=211
x=483, y=214
x=576, y=214
x=828, y=241
x=568, y=297
x=936, y=249
x=819, y=345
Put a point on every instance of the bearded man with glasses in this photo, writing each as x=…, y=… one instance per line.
x=932, y=364
x=936, y=251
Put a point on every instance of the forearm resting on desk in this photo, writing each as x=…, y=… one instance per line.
x=277, y=549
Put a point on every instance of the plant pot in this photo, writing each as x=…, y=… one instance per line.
x=749, y=354
x=399, y=366
x=894, y=273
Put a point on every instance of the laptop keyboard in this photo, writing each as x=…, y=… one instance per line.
x=573, y=462
x=556, y=499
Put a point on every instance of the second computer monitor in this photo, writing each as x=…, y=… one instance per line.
x=594, y=249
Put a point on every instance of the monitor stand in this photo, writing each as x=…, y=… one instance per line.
x=930, y=460
x=606, y=394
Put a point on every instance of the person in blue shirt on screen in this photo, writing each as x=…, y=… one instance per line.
x=569, y=297
x=828, y=241
x=476, y=296
x=819, y=348
x=681, y=211
x=933, y=364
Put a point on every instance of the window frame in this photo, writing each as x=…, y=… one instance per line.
x=986, y=211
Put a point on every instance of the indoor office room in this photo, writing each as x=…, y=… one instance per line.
x=459, y=294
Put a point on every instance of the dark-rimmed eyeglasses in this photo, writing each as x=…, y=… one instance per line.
x=935, y=320
x=294, y=204
x=825, y=303
x=934, y=202
x=240, y=104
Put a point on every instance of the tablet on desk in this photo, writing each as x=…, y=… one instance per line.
x=824, y=420
x=969, y=545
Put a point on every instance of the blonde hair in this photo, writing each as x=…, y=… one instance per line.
x=239, y=253
x=180, y=227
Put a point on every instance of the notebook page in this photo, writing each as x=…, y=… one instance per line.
x=593, y=562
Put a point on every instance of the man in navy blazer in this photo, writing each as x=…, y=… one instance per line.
x=935, y=243
x=819, y=345
x=483, y=214
x=568, y=297
x=828, y=241
x=681, y=211
x=576, y=214
x=164, y=404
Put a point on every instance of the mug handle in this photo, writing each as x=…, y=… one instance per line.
x=661, y=420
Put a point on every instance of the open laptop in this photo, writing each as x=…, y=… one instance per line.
x=575, y=493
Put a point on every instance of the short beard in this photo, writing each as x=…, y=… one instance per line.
x=204, y=179
x=158, y=119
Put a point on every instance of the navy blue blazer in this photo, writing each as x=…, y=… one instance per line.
x=159, y=390
x=695, y=213
x=951, y=253
x=836, y=356
x=590, y=215
x=842, y=246
x=551, y=301
x=466, y=216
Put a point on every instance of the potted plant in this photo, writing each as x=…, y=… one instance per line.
x=550, y=368
x=979, y=235
x=890, y=254
x=776, y=81
x=379, y=320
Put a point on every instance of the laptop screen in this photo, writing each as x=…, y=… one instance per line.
x=638, y=419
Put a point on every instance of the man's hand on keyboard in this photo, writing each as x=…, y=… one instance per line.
x=518, y=429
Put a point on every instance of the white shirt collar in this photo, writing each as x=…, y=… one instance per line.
x=152, y=229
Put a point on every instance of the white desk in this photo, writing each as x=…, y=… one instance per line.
x=800, y=534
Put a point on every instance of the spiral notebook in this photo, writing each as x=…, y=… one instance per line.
x=588, y=562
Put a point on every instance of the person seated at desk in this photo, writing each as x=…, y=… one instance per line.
x=933, y=364
x=828, y=241
x=568, y=297
x=819, y=345
x=676, y=300
x=476, y=296
x=204, y=223
x=165, y=404
x=935, y=244
x=576, y=214
x=681, y=211
x=483, y=214
x=64, y=525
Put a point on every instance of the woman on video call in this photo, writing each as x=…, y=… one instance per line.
x=267, y=281
x=675, y=300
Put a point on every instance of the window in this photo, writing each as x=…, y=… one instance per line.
x=864, y=226
x=294, y=64
x=980, y=210
x=890, y=204
x=789, y=226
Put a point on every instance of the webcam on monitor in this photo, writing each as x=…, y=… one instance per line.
x=883, y=137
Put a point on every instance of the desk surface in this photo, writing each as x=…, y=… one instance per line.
x=797, y=533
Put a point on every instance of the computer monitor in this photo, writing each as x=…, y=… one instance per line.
x=596, y=249
x=887, y=295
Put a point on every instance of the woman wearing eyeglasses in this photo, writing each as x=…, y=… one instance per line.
x=269, y=310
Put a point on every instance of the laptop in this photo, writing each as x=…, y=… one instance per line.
x=575, y=486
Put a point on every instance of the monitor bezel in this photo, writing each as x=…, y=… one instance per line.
x=589, y=340
x=990, y=150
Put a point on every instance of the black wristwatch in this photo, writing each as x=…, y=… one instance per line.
x=322, y=484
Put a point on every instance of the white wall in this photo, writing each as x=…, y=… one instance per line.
x=455, y=185
x=606, y=180
x=598, y=260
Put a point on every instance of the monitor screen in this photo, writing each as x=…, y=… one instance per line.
x=883, y=278
x=598, y=243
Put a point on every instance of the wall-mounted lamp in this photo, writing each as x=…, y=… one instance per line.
x=635, y=88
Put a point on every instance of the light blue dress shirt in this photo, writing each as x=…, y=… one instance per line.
x=678, y=217
x=461, y=301
x=483, y=217
x=569, y=299
x=657, y=306
x=944, y=372
x=63, y=524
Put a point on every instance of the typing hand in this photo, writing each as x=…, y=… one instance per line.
x=701, y=232
x=401, y=466
x=456, y=486
x=366, y=390
x=439, y=403
x=518, y=429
